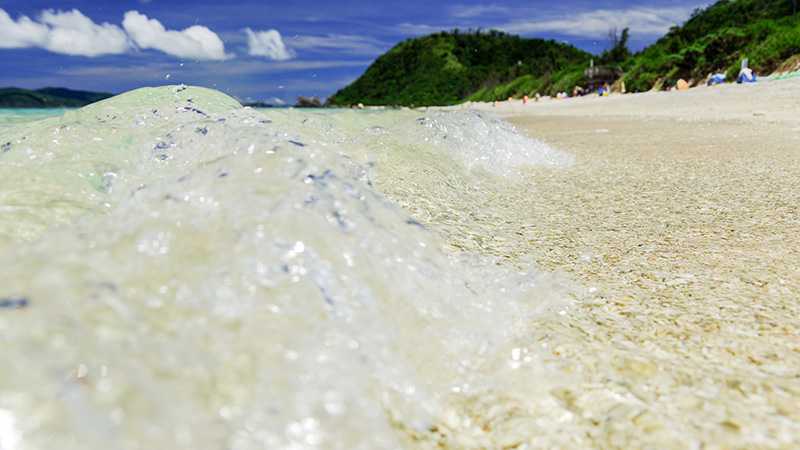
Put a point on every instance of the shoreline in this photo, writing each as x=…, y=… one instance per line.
x=680, y=213
x=680, y=218
x=771, y=101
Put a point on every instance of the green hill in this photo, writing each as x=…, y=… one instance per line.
x=48, y=98
x=448, y=67
x=717, y=39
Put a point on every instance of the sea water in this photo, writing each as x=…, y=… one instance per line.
x=182, y=272
x=11, y=116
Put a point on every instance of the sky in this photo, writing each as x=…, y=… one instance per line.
x=274, y=51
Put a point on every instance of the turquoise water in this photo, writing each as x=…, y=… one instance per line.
x=9, y=116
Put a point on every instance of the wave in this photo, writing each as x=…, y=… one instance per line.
x=197, y=274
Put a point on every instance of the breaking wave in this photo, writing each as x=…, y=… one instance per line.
x=187, y=273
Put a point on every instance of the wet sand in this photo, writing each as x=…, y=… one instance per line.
x=682, y=216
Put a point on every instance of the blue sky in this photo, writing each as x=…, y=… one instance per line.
x=275, y=50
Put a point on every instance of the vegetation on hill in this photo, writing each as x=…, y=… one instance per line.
x=716, y=39
x=447, y=67
x=48, y=98
x=563, y=80
x=451, y=67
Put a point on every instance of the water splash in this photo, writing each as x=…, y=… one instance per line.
x=9, y=435
x=207, y=276
x=489, y=143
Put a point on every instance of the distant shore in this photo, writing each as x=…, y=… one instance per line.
x=49, y=97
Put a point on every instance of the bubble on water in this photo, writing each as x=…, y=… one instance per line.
x=286, y=304
x=489, y=143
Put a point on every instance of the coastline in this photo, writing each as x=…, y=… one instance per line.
x=765, y=101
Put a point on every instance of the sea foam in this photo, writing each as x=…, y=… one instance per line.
x=201, y=275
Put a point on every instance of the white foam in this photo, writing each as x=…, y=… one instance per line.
x=9, y=435
x=489, y=143
x=223, y=278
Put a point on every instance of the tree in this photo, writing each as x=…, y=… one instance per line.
x=619, y=47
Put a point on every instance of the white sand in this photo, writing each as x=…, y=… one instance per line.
x=768, y=101
x=682, y=213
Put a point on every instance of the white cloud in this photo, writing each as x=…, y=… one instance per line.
x=72, y=33
x=471, y=11
x=596, y=24
x=65, y=32
x=256, y=67
x=20, y=33
x=418, y=29
x=196, y=42
x=205, y=70
x=345, y=43
x=268, y=44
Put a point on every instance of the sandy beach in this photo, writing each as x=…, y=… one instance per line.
x=681, y=216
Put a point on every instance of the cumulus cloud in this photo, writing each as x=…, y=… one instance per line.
x=595, y=24
x=196, y=42
x=268, y=44
x=65, y=32
x=72, y=33
x=21, y=33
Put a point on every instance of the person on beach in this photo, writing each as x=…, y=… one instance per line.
x=714, y=79
x=746, y=75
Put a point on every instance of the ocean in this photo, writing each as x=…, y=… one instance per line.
x=11, y=116
x=181, y=272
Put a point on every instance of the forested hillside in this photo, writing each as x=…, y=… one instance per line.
x=48, y=98
x=767, y=32
x=445, y=68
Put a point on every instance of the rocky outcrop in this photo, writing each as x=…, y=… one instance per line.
x=308, y=102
